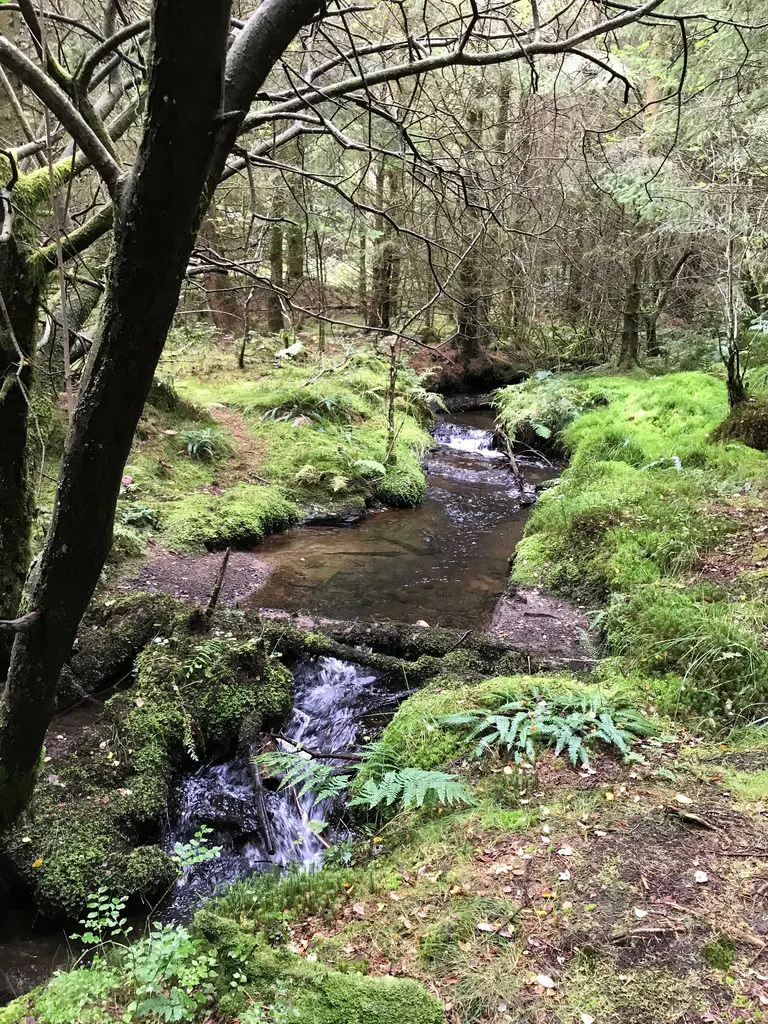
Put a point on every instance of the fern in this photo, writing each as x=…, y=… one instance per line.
x=563, y=722
x=413, y=787
x=406, y=787
x=305, y=774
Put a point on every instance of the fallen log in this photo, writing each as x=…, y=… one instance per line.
x=387, y=645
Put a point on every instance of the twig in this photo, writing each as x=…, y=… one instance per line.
x=214, y=599
x=261, y=803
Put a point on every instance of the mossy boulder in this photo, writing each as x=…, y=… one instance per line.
x=315, y=992
x=111, y=635
x=748, y=423
x=241, y=516
x=96, y=813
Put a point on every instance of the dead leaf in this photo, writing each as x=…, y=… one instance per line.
x=545, y=981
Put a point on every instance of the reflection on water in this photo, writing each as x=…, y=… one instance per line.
x=445, y=562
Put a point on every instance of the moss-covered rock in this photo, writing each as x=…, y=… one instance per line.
x=111, y=635
x=317, y=993
x=97, y=810
x=242, y=515
x=748, y=423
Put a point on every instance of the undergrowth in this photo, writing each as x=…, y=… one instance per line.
x=644, y=497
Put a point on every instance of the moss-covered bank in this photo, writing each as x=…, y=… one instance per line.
x=647, y=493
x=96, y=814
x=235, y=456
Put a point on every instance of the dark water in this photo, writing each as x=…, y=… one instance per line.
x=445, y=562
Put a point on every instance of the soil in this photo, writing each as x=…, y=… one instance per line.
x=193, y=577
x=743, y=549
x=619, y=877
x=541, y=623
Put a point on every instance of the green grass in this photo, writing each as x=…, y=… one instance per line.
x=325, y=429
x=628, y=520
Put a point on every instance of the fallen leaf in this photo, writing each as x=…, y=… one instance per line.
x=545, y=981
x=37, y=863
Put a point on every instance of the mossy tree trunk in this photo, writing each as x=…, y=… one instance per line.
x=18, y=311
x=180, y=160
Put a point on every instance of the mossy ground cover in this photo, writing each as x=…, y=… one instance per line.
x=647, y=497
x=283, y=443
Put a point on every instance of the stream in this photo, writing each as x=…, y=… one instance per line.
x=445, y=562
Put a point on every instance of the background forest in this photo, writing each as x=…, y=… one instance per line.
x=257, y=260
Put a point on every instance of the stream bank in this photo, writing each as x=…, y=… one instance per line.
x=612, y=891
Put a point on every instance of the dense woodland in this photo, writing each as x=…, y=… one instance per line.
x=257, y=259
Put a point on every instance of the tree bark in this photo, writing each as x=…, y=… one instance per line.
x=160, y=206
x=629, y=355
x=18, y=312
x=220, y=291
x=274, y=306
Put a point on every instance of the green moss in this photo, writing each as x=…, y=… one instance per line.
x=69, y=996
x=706, y=648
x=96, y=813
x=719, y=953
x=317, y=993
x=111, y=635
x=748, y=785
x=326, y=436
x=242, y=515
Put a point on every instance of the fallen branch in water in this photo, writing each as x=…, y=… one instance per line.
x=336, y=755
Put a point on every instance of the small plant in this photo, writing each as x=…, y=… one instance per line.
x=105, y=921
x=562, y=721
x=413, y=787
x=406, y=787
x=197, y=850
x=171, y=974
x=138, y=515
x=307, y=775
x=203, y=444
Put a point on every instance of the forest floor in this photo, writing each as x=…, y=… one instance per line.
x=630, y=889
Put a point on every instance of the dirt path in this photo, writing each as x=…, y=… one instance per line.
x=541, y=623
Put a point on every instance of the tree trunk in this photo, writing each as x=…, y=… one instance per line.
x=294, y=254
x=629, y=355
x=274, y=306
x=180, y=159
x=221, y=290
x=18, y=314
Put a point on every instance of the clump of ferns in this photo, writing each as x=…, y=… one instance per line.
x=566, y=723
x=404, y=788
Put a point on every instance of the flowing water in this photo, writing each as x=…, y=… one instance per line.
x=335, y=703
x=444, y=562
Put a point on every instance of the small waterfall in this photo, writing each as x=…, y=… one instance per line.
x=467, y=439
x=333, y=699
